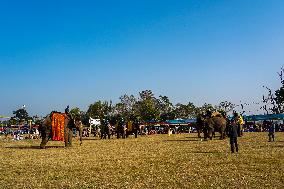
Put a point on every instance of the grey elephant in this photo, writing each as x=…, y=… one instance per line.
x=69, y=124
x=215, y=124
x=200, y=125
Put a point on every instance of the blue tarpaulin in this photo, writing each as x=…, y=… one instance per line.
x=264, y=117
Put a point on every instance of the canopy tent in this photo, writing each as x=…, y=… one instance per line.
x=264, y=117
x=177, y=122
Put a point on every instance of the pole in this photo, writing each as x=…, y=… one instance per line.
x=90, y=121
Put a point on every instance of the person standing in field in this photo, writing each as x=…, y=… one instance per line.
x=271, y=132
x=233, y=134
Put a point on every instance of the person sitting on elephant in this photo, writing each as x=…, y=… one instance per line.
x=208, y=114
x=67, y=110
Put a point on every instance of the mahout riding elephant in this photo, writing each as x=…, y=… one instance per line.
x=69, y=124
x=215, y=124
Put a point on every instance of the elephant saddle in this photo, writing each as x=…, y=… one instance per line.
x=58, y=122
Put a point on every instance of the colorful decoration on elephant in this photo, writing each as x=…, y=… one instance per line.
x=58, y=121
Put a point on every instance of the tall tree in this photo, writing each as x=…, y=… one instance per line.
x=147, y=106
x=99, y=109
x=166, y=108
x=185, y=111
x=126, y=106
x=76, y=112
x=274, y=102
x=21, y=115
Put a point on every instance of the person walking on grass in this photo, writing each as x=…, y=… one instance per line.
x=233, y=134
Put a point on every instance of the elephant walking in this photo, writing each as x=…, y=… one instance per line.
x=68, y=123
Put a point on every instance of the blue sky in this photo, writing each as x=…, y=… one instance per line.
x=59, y=53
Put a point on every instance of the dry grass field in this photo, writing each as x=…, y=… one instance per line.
x=157, y=161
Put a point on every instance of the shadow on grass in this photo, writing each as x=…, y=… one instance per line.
x=90, y=139
x=278, y=146
x=271, y=146
x=193, y=137
x=200, y=152
x=181, y=140
x=32, y=147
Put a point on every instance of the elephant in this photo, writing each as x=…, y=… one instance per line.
x=69, y=124
x=106, y=129
x=199, y=125
x=132, y=127
x=120, y=130
x=215, y=124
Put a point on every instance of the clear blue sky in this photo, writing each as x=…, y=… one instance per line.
x=58, y=53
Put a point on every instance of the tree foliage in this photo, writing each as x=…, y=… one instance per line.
x=99, y=109
x=147, y=106
x=185, y=111
x=21, y=114
x=274, y=102
x=75, y=111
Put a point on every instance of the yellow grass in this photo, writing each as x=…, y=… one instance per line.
x=159, y=161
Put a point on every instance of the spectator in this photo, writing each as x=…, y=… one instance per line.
x=233, y=134
x=271, y=132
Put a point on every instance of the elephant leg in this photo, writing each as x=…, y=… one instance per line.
x=210, y=134
x=205, y=134
x=221, y=135
x=198, y=131
x=136, y=133
x=104, y=135
x=45, y=136
x=108, y=135
x=70, y=137
x=66, y=137
x=44, y=141
x=117, y=135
